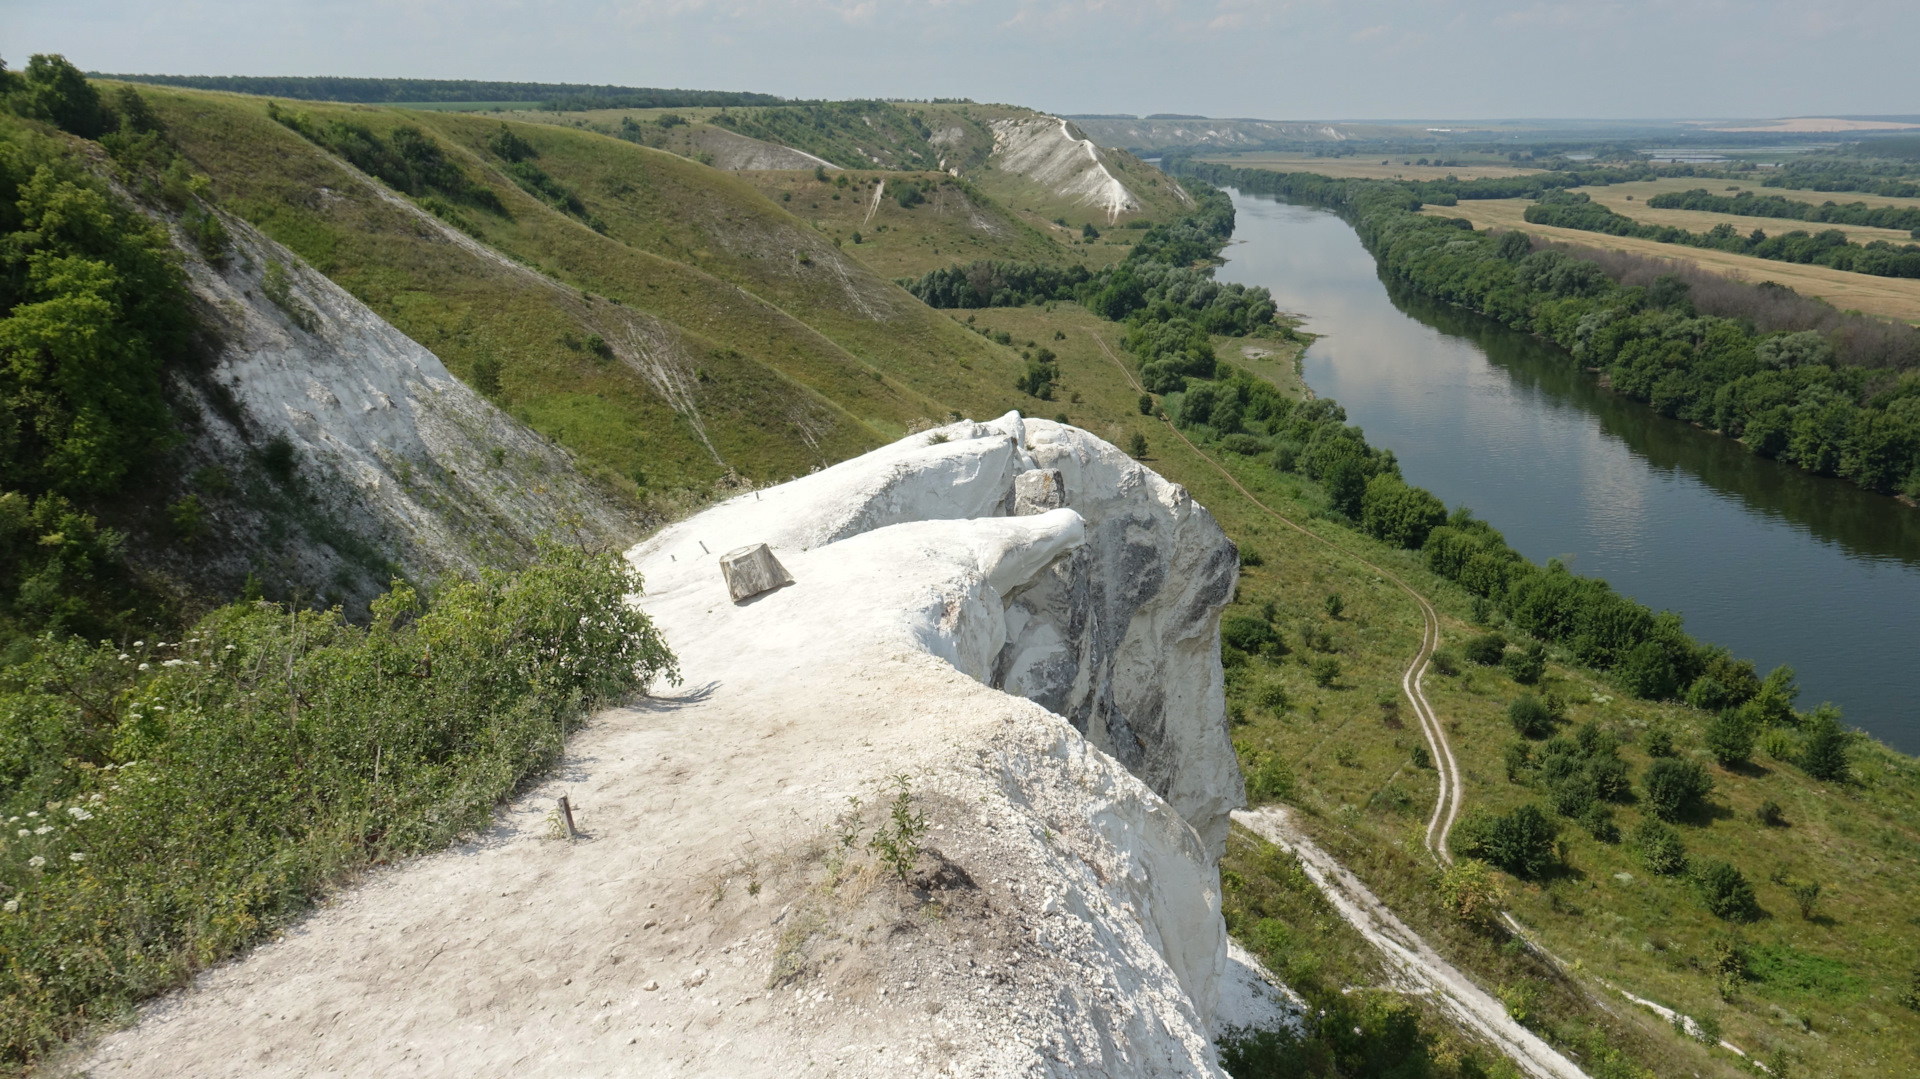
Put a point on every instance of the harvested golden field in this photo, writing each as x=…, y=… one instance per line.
x=1646, y=189
x=1632, y=204
x=1364, y=168
x=1890, y=297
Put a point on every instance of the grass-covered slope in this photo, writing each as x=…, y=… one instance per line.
x=660, y=318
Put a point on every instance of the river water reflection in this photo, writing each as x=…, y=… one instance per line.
x=1778, y=565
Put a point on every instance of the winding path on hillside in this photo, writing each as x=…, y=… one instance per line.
x=1412, y=957
x=1452, y=793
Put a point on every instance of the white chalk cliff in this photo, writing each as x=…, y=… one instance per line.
x=1044, y=679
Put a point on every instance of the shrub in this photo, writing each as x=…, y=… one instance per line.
x=1675, y=787
x=1248, y=633
x=1726, y=891
x=1146, y=404
x=1472, y=893
x=1526, y=667
x=230, y=777
x=1729, y=737
x=1806, y=896
x=1325, y=671
x=1598, y=821
x=1334, y=604
x=1529, y=717
x=1446, y=662
x=1519, y=759
x=1271, y=696
x=1486, y=649
x=1659, y=848
x=1137, y=446
x=1269, y=781
x=1823, y=755
x=1768, y=813
x=1520, y=842
x=1658, y=741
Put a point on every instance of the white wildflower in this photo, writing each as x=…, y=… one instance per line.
x=33, y=813
x=12, y=907
x=43, y=829
x=138, y=644
x=229, y=648
x=36, y=862
x=144, y=666
x=159, y=707
x=124, y=657
x=78, y=813
x=76, y=856
x=96, y=796
x=24, y=833
x=172, y=662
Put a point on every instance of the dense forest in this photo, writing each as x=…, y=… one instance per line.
x=1829, y=247
x=182, y=774
x=1794, y=395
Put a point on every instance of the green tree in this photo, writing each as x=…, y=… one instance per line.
x=54, y=91
x=1522, y=842
x=1729, y=737
x=1486, y=649
x=1526, y=666
x=94, y=307
x=1399, y=514
x=1823, y=755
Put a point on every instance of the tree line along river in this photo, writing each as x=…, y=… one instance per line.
x=1779, y=565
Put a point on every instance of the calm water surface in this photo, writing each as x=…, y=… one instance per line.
x=1775, y=564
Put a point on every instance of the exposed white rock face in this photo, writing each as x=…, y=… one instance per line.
x=1046, y=150
x=423, y=474
x=1120, y=636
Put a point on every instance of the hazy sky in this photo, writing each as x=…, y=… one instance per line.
x=1295, y=59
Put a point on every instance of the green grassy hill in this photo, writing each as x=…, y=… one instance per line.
x=673, y=326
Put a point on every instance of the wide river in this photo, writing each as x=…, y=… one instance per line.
x=1775, y=564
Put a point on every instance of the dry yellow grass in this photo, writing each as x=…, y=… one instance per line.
x=1890, y=297
x=1363, y=168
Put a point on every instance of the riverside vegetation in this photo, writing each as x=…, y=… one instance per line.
x=1312, y=682
x=1841, y=400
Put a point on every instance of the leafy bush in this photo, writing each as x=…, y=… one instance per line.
x=1729, y=737
x=1520, y=842
x=1269, y=781
x=1658, y=741
x=1526, y=667
x=1472, y=893
x=1726, y=891
x=1399, y=514
x=93, y=308
x=1660, y=848
x=1486, y=649
x=1675, y=787
x=1823, y=753
x=1271, y=696
x=1529, y=717
x=204, y=791
x=1249, y=633
x=1325, y=671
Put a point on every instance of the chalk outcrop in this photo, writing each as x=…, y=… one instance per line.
x=409, y=468
x=948, y=804
x=1047, y=151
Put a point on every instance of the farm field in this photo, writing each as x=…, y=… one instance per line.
x=1889, y=297
x=1646, y=189
x=1365, y=168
